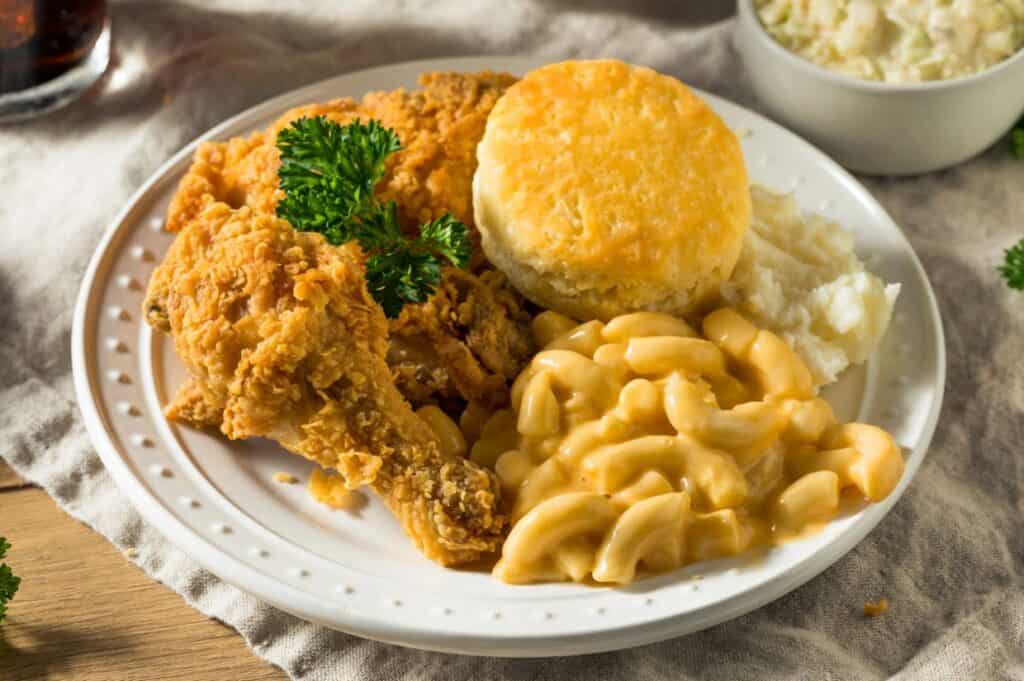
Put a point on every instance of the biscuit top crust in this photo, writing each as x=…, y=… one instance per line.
x=612, y=175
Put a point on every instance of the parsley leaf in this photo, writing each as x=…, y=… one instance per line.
x=1017, y=140
x=449, y=237
x=328, y=173
x=401, y=276
x=1012, y=268
x=8, y=582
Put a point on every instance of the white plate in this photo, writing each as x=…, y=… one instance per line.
x=355, y=571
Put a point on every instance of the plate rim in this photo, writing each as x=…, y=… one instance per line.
x=277, y=592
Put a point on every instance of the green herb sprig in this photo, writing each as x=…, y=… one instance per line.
x=1012, y=268
x=1017, y=140
x=328, y=173
x=8, y=582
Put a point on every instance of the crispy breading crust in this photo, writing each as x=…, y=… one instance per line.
x=282, y=340
x=470, y=340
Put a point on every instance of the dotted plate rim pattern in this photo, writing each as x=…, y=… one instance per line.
x=118, y=384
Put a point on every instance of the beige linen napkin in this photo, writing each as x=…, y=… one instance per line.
x=949, y=557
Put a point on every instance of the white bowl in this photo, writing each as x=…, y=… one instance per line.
x=881, y=128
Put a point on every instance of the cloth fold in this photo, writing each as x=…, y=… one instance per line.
x=950, y=556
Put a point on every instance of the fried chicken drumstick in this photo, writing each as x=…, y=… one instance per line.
x=282, y=340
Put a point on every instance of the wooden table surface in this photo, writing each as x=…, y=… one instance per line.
x=84, y=612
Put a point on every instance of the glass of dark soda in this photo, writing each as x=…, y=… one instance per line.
x=50, y=52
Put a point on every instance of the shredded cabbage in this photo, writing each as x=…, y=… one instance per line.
x=898, y=40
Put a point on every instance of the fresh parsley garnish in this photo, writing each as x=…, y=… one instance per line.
x=1012, y=268
x=449, y=237
x=1017, y=140
x=8, y=582
x=328, y=172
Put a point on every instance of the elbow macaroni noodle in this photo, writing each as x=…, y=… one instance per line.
x=642, y=445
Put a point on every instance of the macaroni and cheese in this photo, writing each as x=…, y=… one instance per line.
x=898, y=40
x=642, y=445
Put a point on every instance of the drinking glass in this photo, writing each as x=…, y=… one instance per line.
x=50, y=52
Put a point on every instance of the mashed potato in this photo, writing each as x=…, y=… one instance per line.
x=799, y=277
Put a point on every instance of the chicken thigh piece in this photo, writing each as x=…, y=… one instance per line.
x=282, y=340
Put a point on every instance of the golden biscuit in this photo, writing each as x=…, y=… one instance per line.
x=604, y=188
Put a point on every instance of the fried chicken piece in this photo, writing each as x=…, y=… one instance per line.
x=439, y=127
x=469, y=341
x=282, y=340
